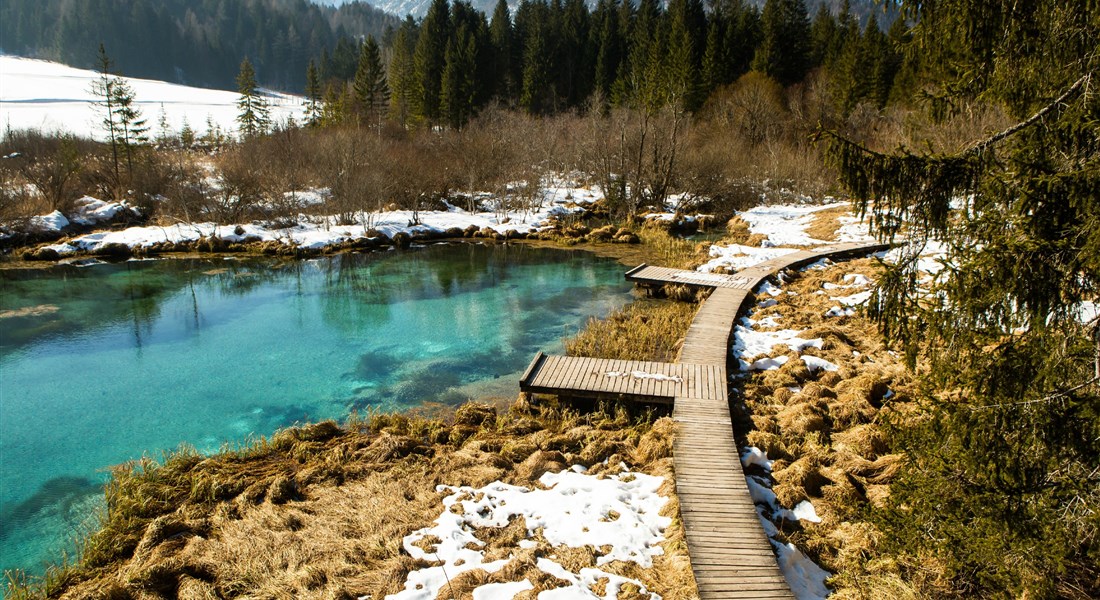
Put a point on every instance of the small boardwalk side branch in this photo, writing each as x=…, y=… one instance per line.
x=731, y=556
x=629, y=379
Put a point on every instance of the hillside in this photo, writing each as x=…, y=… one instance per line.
x=43, y=95
x=418, y=8
x=187, y=42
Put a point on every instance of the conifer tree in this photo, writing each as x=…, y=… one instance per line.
x=103, y=88
x=131, y=127
x=783, y=53
x=1001, y=477
x=536, y=95
x=254, y=113
x=187, y=134
x=121, y=119
x=608, y=45
x=457, y=96
x=429, y=61
x=402, y=76
x=371, y=91
x=500, y=35
x=714, y=66
x=313, y=96
x=686, y=45
x=823, y=32
x=575, y=70
x=644, y=32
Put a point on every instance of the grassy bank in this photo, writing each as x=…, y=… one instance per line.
x=320, y=511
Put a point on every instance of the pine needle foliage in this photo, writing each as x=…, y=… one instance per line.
x=1002, y=484
x=254, y=116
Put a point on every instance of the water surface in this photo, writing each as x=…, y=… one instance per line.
x=101, y=364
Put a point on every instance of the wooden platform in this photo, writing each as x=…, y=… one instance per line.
x=649, y=275
x=635, y=380
x=731, y=556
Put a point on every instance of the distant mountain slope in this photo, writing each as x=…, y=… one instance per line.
x=418, y=8
x=187, y=41
x=37, y=94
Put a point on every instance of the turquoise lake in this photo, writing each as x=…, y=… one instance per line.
x=103, y=363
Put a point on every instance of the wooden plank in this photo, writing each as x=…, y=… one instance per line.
x=549, y=369
x=568, y=376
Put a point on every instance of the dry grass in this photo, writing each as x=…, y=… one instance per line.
x=320, y=511
x=826, y=223
x=823, y=430
x=642, y=330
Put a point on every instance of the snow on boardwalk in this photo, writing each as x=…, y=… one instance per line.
x=731, y=556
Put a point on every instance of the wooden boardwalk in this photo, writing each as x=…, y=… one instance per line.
x=731, y=556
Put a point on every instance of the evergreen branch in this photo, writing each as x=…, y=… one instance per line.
x=1047, y=398
x=979, y=147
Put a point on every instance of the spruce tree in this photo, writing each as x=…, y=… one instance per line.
x=608, y=46
x=783, y=53
x=371, y=91
x=121, y=119
x=536, y=94
x=103, y=88
x=313, y=96
x=429, y=61
x=575, y=69
x=500, y=35
x=686, y=45
x=457, y=95
x=1001, y=479
x=253, y=116
x=402, y=73
x=823, y=32
x=643, y=34
x=187, y=134
x=131, y=127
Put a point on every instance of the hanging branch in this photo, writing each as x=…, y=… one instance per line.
x=979, y=147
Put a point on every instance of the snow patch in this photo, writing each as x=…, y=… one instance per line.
x=837, y=311
x=785, y=224
x=755, y=456
x=814, y=363
x=749, y=343
x=502, y=591
x=736, y=257
x=572, y=511
x=581, y=584
x=807, y=580
x=53, y=222
x=644, y=375
x=857, y=299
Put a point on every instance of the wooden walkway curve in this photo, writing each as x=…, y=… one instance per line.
x=731, y=556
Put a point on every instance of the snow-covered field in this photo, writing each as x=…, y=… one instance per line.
x=36, y=94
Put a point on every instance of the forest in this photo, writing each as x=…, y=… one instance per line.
x=197, y=43
x=560, y=56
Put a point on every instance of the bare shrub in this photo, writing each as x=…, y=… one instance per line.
x=49, y=162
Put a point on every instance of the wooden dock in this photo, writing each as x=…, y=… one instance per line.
x=731, y=556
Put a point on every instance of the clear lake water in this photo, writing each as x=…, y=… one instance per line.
x=101, y=364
